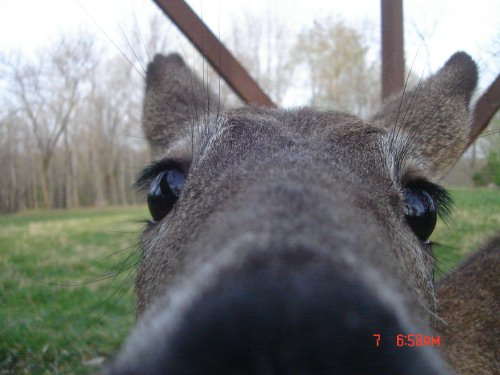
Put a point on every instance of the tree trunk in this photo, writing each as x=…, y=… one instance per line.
x=44, y=182
x=74, y=181
x=122, y=191
x=34, y=178
x=99, y=182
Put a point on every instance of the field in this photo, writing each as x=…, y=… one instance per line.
x=66, y=279
x=66, y=287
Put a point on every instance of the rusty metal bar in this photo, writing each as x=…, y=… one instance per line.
x=214, y=51
x=392, y=47
x=486, y=107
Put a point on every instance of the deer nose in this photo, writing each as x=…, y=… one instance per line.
x=289, y=313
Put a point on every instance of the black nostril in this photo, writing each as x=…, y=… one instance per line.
x=289, y=315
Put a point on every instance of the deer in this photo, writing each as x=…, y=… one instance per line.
x=296, y=241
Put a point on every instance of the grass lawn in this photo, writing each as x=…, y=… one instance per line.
x=66, y=279
x=475, y=217
x=66, y=287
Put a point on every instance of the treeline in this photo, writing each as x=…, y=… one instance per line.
x=70, y=114
x=69, y=128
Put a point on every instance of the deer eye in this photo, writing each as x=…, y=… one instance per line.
x=164, y=192
x=420, y=211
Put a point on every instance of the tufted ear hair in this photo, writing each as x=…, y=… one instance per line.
x=175, y=99
x=432, y=122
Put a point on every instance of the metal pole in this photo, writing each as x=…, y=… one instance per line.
x=392, y=47
x=214, y=51
x=486, y=107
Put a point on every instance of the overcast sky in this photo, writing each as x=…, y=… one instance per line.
x=434, y=29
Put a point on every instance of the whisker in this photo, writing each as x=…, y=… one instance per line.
x=144, y=45
x=394, y=133
x=111, y=40
x=467, y=139
x=124, y=35
x=119, y=291
x=111, y=272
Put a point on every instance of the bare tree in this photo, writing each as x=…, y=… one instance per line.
x=334, y=56
x=47, y=91
x=262, y=44
x=10, y=137
x=110, y=115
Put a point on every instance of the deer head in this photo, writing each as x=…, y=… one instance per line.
x=281, y=241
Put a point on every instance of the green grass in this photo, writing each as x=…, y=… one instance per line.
x=55, y=312
x=475, y=217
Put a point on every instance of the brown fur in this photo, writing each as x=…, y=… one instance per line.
x=469, y=305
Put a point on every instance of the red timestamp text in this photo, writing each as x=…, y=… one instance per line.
x=417, y=339
x=411, y=340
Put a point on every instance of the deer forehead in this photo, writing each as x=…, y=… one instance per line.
x=309, y=135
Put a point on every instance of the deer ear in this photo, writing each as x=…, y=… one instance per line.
x=432, y=121
x=175, y=99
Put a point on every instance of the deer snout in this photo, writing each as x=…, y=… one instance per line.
x=286, y=312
